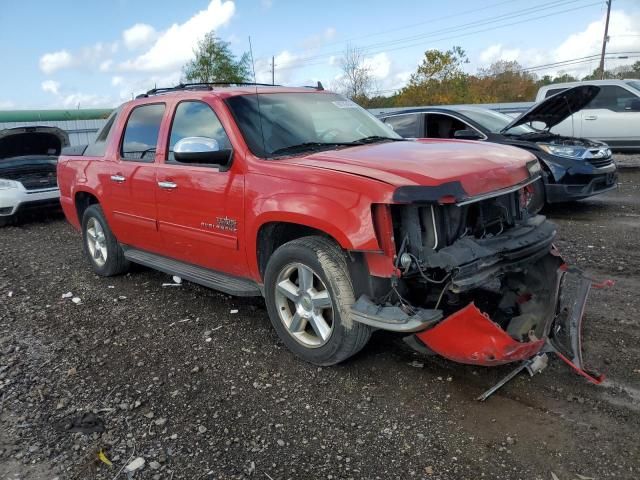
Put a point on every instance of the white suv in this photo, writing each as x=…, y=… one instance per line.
x=28, y=161
x=613, y=116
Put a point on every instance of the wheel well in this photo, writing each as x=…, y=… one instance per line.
x=273, y=235
x=83, y=201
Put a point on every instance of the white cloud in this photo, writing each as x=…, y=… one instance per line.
x=106, y=65
x=379, y=65
x=50, y=86
x=317, y=40
x=6, y=104
x=624, y=34
x=498, y=52
x=84, y=100
x=117, y=80
x=50, y=62
x=138, y=36
x=174, y=47
x=87, y=57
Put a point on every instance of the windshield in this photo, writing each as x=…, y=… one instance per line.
x=299, y=122
x=635, y=84
x=496, y=121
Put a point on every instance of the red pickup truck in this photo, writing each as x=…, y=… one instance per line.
x=301, y=196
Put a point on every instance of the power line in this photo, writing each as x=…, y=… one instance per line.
x=371, y=49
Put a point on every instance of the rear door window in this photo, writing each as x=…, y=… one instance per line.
x=141, y=133
x=407, y=126
x=553, y=91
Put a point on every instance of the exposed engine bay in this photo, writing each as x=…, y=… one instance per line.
x=480, y=283
x=33, y=172
x=552, y=138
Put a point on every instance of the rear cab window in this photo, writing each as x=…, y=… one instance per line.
x=553, y=91
x=140, y=137
x=99, y=146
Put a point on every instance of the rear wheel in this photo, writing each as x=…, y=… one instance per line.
x=309, y=295
x=100, y=245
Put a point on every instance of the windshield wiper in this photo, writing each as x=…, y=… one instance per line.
x=302, y=147
x=374, y=139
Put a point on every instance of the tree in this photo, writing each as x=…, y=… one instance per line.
x=356, y=81
x=503, y=81
x=214, y=62
x=438, y=80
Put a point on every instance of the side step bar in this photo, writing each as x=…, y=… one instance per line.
x=239, y=287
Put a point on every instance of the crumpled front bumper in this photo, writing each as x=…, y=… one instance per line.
x=469, y=336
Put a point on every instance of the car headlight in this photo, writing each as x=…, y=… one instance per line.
x=563, y=150
x=6, y=184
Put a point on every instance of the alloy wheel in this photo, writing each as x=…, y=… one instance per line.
x=304, y=305
x=96, y=242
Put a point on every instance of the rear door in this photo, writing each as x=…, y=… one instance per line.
x=611, y=117
x=132, y=179
x=200, y=207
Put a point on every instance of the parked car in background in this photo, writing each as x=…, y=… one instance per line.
x=303, y=197
x=613, y=116
x=573, y=168
x=28, y=160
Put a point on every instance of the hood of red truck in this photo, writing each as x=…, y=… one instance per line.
x=479, y=167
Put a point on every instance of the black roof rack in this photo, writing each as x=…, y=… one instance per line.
x=210, y=86
x=201, y=86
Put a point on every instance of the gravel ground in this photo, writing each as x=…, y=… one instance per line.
x=627, y=160
x=201, y=392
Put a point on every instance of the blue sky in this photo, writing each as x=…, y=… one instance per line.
x=63, y=53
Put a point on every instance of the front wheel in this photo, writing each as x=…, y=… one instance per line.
x=100, y=245
x=309, y=295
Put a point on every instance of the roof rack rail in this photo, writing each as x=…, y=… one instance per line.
x=318, y=87
x=200, y=86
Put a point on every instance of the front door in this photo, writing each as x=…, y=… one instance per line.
x=132, y=180
x=612, y=118
x=200, y=207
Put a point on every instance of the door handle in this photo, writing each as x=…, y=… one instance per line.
x=591, y=117
x=167, y=185
x=118, y=178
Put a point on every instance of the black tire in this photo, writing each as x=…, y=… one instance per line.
x=115, y=263
x=328, y=263
x=7, y=220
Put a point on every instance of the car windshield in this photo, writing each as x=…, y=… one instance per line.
x=276, y=124
x=496, y=121
x=635, y=84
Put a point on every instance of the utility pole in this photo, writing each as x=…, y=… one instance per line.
x=273, y=70
x=605, y=39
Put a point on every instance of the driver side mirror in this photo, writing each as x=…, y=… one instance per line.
x=202, y=150
x=467, y=135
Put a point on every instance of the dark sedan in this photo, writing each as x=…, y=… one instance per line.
x=573, y=168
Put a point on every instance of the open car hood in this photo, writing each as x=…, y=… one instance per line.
x=553, y=110
x=32, y=141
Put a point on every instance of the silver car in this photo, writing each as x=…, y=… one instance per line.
x=613, y=116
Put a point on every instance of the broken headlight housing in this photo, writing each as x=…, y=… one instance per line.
x=7, y=184
x=567, y=151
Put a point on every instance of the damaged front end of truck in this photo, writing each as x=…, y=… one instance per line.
x=478, y=280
